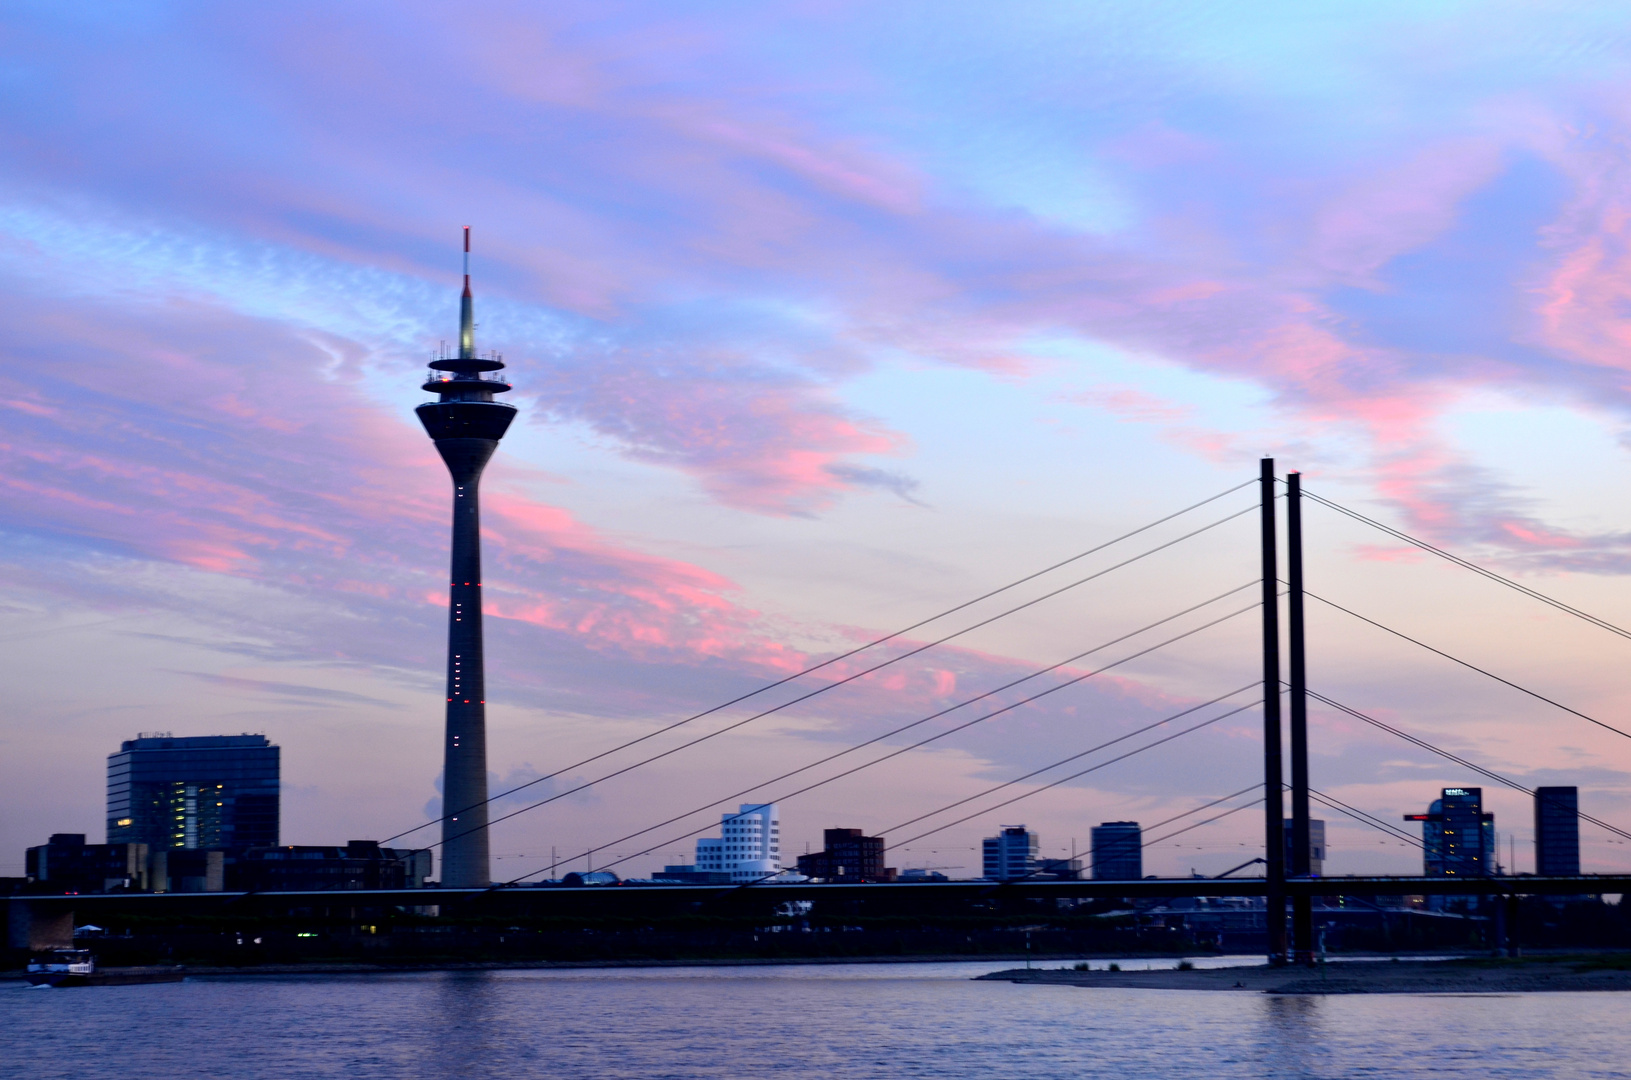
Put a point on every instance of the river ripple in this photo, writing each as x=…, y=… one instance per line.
x=831, y=1021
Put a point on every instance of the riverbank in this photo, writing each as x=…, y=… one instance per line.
x=1464, y=976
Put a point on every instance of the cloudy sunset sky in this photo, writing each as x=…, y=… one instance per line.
x=823, y=317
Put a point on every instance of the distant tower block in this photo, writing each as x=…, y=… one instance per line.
x=466, y=425
x=1557, y=831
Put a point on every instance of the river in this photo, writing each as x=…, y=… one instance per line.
x=832, y=1022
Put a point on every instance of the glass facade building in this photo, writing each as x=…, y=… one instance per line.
x=1458, y=838
x=210, y=791
x=1557, y=831
x=1010, y=855
x=1118, y=851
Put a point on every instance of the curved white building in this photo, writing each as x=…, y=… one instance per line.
x=749, y=846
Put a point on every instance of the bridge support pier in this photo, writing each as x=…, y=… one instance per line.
x=38, y=926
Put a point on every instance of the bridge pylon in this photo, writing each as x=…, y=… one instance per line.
x=1274, y=908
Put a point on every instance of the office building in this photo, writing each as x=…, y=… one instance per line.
x=1316, y=847
x=1458, y=838
x=1010, y=855
x=210, y=791
x=1117, y=852
x=748, y=847
x=466, y=424
x=360, y=864
x=847, y=855
x=68, y=864
x=1557, y=831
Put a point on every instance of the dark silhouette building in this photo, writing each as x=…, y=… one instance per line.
x=209, y=791
x=360, y=864
x=187, y=870
x=68, y=864
x=466, y=425
x=688, y=874
x=850, y=855
x=1117, y=852
x=1458, y=838
x=1557, y=831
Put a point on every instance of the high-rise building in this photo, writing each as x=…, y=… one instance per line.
x=1557, y=831
x=748, y=847
x=1010, y=855
x=847, y=855
x=1118, y=851
x=466, y=425
x=1458, y=838
x=207, y=791
x=1316, y=846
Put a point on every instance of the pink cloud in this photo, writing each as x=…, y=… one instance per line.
x=1399, y=208
x=770, y=447
x=316, y=492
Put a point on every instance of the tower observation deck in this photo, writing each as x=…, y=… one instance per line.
x=466, y=424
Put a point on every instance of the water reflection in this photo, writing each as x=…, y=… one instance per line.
x=1293, y=1038
x=834, y=1022
x=465, y=1022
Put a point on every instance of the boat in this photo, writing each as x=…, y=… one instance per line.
x=77, y=967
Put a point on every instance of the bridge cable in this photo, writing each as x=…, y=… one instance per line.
x=1481, y=770
x=862, y=648
x=1474, y=667
x=1068, y=760
x=857, y=675
x=1363, y=817
x=1208, y=821
x=1343, y=808
x=920, y=743
x=1122, y=757
x=1073, y=757
x=1469, y=565
x=1206, y=806
x=898, y=752
x=1170, y=820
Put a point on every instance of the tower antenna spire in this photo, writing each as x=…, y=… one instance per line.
x=467, y=309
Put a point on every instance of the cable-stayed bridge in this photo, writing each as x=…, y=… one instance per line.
x=1278, y=589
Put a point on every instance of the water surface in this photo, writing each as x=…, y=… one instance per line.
x=833, y=1022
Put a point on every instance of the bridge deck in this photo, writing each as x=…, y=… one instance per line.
x=544, y=897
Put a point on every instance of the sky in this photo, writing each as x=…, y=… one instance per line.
x=823, y=318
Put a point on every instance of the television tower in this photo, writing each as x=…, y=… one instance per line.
x=466, y=425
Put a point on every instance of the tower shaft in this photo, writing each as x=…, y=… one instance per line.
x=465, y=856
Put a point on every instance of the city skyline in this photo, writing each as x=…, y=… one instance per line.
x=812, y=343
